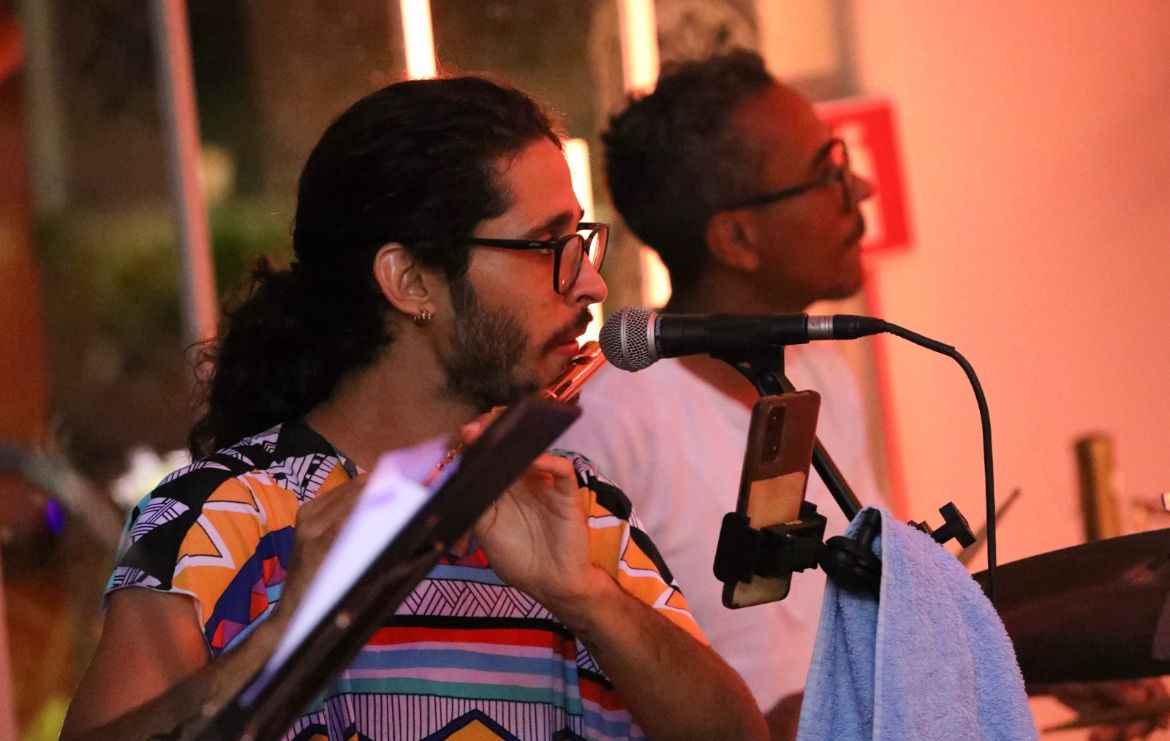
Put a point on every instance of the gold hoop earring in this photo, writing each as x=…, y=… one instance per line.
x=423, y=318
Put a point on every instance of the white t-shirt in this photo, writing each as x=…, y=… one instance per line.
x=675, y=446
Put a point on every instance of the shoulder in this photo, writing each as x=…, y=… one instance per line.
x=186, y=490
x=189, y=488
x=290, y=453
x=283, y=465
x=824, y=369
x=612, y=383
x=610, y=511
x=818, y=364
x=621, y=403
x=606, y=494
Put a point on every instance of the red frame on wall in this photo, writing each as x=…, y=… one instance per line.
x=868, y=127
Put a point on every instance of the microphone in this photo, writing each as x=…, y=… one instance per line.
x=635, y=338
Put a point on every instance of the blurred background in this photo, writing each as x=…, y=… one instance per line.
x=149, y=151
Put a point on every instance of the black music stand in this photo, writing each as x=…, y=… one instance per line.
x=272, y=699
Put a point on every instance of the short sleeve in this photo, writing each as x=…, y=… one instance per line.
x=225, y=544
x=618, y=544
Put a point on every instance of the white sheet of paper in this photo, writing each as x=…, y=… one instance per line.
x=391, y=498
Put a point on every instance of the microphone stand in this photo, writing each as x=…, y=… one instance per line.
x=766, y=373
x=850, y=562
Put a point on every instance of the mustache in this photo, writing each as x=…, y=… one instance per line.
x=571, y=330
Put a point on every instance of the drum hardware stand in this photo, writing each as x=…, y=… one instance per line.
x=744, y=551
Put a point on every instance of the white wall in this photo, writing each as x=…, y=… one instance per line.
x=1036, y=142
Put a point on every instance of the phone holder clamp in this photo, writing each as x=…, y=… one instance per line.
x=744, y=552
x=850, y=562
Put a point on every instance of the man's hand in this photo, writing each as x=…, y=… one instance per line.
x=536, y=535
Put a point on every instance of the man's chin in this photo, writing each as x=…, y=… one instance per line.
x=486, y=390
x=853, y=287
x=514, y=394
x=851, y=278
x=841, y=291
x=483, y=397
x=846, y=292
x=548, y=368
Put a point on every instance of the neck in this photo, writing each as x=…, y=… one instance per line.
x=732, y=293
x=395, y=403
x=722, y=377
x=727, y=293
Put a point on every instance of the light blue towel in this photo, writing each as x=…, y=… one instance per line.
x=931, y=660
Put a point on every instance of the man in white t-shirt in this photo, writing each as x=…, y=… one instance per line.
x=749, y=200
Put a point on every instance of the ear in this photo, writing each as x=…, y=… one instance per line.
x=408, y=285
x=732, y=240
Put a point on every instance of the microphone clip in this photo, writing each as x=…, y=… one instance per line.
x=764, y=371
x=744, y=552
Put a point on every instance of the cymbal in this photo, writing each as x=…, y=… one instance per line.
x=1091, y=612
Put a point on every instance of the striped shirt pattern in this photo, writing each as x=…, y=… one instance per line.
x=465, y=656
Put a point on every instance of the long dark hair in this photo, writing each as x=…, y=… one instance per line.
x=415, y=163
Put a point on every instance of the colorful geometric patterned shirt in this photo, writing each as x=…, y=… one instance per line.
x=465, y=657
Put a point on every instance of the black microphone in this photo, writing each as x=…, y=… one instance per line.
x=635, y=338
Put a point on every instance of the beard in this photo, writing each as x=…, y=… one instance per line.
x=487, y=348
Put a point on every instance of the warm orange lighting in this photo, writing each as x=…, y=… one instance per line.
x=639, y=33
x=655, y=279
x=577, y=153
x=418, y=38
x=797, y=37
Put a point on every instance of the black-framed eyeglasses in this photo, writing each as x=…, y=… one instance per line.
x=838, y=155
x=569, y=252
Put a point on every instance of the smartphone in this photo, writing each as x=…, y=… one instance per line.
x=772, y=485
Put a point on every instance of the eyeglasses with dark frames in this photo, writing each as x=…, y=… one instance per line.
x=569, y=252
x=838, y=155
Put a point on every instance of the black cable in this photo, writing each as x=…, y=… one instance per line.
x=985, y=421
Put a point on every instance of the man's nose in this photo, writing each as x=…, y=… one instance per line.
x=589, y=288
x=860, y=187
